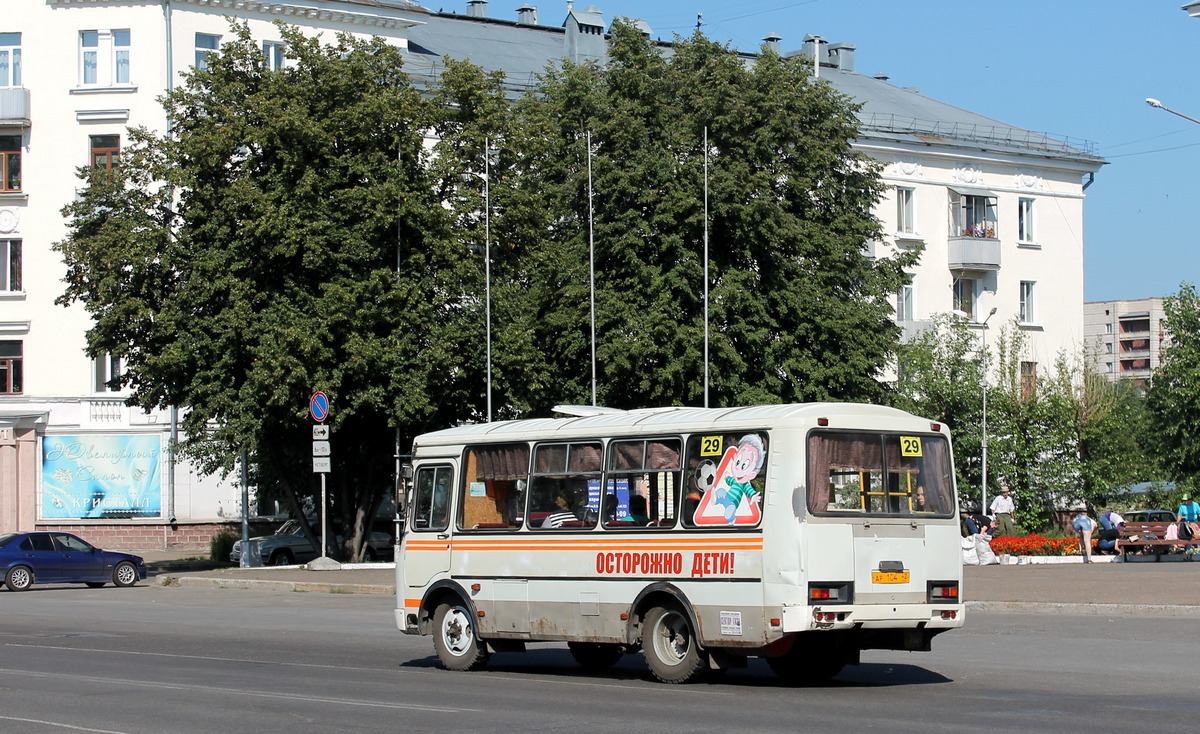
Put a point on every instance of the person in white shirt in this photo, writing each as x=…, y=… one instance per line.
x=1003, y=510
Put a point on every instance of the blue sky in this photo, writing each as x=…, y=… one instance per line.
x=1077, y=69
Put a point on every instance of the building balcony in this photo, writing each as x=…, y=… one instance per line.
x=14, y=106
x=974, y=253
x=912, y=329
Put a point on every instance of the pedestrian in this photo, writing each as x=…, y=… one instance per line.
x=1111, y=520
x=1188, y=515
x=1084, y=525
x=1005, y=512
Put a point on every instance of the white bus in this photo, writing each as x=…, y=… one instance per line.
x=802, y=534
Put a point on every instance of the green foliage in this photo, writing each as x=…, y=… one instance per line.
x=1174, y=397
x=940, y=376
x=221, y=544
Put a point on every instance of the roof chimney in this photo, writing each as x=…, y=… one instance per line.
x=771, y=41
x=882, y=77
x=842, y=55
x=527, y=15
x=476, y=8
x=812, y=49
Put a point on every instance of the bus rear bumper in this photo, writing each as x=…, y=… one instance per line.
x=872, y=616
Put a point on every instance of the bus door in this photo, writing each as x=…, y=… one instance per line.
x=426, y=549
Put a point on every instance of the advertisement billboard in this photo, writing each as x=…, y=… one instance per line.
x=101, y=476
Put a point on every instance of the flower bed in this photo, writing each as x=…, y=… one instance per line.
x=1034, y=545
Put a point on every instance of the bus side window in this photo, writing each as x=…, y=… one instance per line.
x=431, y=498
x=492, y=496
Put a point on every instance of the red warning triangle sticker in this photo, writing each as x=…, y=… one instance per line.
x=712, y=512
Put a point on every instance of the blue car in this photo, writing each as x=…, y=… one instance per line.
x=61, y=558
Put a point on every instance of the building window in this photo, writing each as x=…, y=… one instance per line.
x=1025, y=220
x=905, y=303
x=106, y=370
x=106, y=151
x=1028, y=315
x=104, y=58
x=206, y=44
x=10, y=162
x=904, y=211
x=972, y=215
x=275, y=53
x=11, y=370
x=10, y=59
x=10, y=265
x=1028, y=379
x=964, y=297
x=1108, y=347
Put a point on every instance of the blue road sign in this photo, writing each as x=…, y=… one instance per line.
x=318, y=406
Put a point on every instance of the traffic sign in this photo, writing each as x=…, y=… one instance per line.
x=322, y=465
x=318, y=406
x=320, y=432
x=320, y=448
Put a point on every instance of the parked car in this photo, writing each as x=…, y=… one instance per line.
x=288, y=545
x=1149, y=516
x=62, y=558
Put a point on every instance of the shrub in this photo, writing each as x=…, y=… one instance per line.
x=221, y=545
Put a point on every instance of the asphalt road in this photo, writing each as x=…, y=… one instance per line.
x=186, y=659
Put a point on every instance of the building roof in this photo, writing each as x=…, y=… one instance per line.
x=889, y=112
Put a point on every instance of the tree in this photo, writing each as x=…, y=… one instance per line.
x=940, y=376
x=286, y=236
x=1174, y=396
x=797, y=310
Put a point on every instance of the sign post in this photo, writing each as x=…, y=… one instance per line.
x=318, y=408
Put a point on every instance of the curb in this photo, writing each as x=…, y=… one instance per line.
x=210, y=582
x=1092, y=610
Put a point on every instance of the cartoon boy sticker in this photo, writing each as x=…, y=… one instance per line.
x=746, y=464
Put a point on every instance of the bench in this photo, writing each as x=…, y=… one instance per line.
x=1133, y=535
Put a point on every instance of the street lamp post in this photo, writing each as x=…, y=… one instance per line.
x=984, y=442
x=486, y=177
x=1159, y=105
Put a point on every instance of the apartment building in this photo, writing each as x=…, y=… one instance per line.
x=1127, y=337
x=998, y=209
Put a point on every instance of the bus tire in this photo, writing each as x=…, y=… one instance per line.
x=670, y=647
x=454, y=638
x=594, y=655
x=810, y=663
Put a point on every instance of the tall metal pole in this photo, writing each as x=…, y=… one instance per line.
x=487, y=268
x=245, y=482
x=1159, y=105
x=706, y=266
x=984, y=445
x=591, y=262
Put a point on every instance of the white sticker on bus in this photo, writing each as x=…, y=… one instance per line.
x=731, y=623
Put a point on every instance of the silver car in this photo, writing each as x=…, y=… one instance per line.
x=288, y=546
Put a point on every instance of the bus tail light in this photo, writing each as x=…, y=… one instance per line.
x=943, y=591
x=949, y=614
x=829, y=592
x=935, y=427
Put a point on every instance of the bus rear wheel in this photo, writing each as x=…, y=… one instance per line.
x=810, y=662
x=670, y=647
x=454, y=638
x=594, y=655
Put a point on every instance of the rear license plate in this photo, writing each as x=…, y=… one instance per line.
x=889, y=577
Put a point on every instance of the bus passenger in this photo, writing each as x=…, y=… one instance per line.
x=564, y=511
x=637, y=510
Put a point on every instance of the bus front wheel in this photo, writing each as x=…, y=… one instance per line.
x=594, y=655
x=670, y=647
x=454, y=638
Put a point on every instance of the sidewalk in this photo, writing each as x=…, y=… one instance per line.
x=1152, y=589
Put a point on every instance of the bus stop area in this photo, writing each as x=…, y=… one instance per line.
x=1165, y=589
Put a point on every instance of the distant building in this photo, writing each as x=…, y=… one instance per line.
x=998, y=209
x=1127, y=337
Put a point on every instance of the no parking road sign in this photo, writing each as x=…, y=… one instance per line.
x=318, y=406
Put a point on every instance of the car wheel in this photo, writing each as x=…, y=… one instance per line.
x=369, y=554
x=95, y=584
x=454, y=639
x=670, y=647
x=125, y=574
x=282, y=558
x=19, y=578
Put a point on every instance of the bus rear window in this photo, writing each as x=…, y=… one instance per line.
x=879, y=474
